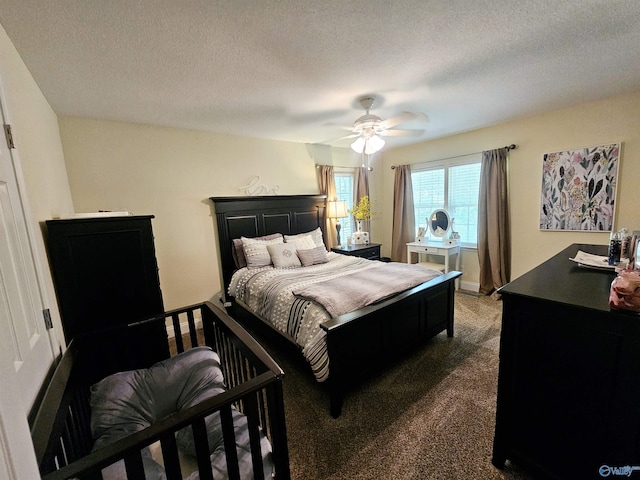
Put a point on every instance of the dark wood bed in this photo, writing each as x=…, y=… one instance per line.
x=358, y=341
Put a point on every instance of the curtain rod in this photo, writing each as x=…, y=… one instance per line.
x=513, y=146
x=318, y=165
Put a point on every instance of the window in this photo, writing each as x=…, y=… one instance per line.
x=453, y=186
x=344, y=191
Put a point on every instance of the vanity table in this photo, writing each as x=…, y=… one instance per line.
x=568, y=402
x=437, y=248
x=439, y=223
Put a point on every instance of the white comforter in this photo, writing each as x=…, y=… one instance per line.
x=268, y=292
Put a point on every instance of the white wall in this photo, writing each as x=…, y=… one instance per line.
x=44, y=191
x=171, y=173
x=39, y=152
x=613, y=120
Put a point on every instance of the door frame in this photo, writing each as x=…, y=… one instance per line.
x=17, y=457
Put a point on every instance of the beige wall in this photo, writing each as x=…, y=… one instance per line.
x=614, y=120
x=39, y=154
x=171, y=173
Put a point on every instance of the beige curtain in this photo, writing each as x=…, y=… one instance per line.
x=327, y=185
x=494, y=240
x=404, y=219
x=361, y=189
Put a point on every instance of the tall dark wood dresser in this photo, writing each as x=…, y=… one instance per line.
x=106, y=276
x=568, y=402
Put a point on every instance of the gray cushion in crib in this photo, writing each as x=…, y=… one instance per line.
x=127, y=402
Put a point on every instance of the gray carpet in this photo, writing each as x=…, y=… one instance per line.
x=429, y=415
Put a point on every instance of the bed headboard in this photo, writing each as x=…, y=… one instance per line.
x=257, y=216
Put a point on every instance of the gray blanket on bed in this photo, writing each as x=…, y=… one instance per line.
x=356, y=290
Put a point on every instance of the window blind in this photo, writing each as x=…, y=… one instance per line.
x=454, y=186
x=344, y=191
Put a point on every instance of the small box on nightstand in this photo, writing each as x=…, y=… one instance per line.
x=360, y=238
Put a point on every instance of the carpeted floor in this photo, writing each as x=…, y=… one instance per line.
x=429, y=415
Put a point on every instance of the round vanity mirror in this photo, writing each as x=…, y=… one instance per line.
x=439, y=222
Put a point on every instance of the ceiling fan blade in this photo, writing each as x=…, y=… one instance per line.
x=403, y=117
x=340, y=126
x=401, y=133
x=353, y=135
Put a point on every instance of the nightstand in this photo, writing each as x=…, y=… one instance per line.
x=370, y=251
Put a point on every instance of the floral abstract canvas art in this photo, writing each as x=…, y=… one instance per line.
x=579, y=188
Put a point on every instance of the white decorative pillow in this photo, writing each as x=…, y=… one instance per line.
x=313, y=257
x=237, y=252
x=256, y=253
x=284, y=255
x=316, y=236
x=304, y=242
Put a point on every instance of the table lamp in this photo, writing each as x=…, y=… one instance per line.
x=337, y=209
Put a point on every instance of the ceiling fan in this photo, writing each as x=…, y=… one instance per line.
x=370, y=128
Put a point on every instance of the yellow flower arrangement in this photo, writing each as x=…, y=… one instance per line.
x=362, y=211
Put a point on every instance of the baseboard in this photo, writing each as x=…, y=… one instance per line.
x=470, y=286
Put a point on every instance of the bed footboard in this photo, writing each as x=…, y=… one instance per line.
x=61, y=431
x=364, y=340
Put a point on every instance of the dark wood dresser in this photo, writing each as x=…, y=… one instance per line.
x=568, y=402
x=106, y=275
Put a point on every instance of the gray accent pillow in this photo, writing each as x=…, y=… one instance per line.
x=284, y=255
x=316, y=235
x=237, y=252
x=313, y=256
x=256, y=253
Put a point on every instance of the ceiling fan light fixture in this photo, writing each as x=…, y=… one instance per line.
x=358, y=145
x=369, y=129
x=369, y=145
x=373, y=145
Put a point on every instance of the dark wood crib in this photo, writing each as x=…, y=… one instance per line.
x=61, y=429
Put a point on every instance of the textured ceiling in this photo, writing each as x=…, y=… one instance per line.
x=293, y=70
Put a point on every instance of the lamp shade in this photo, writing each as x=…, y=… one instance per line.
x=337, y=209
x=358, y=145
x=368, y=145
x=373, y=145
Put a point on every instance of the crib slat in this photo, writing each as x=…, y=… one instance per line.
x=202, y=449
x=134, y=466
x=277, y=427
x=74, y=440
x=177, y=332
x=170, y=457
x=192, y=329
x=229, y=436
x=80, y=405
x=251, y=411
x=68, y=447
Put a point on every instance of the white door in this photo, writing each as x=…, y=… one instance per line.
x=26, y=352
